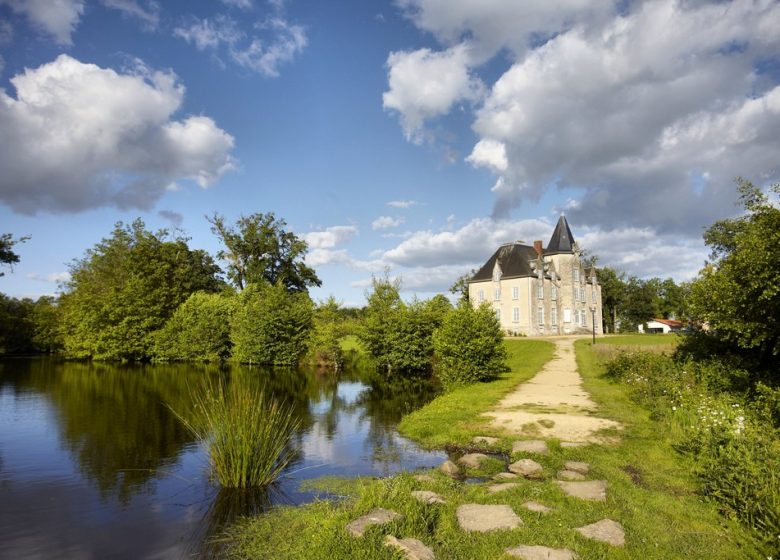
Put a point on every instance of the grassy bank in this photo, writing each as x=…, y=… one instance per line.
x=650, y=492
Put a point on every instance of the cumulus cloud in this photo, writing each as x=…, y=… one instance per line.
x=426, y=84
x=385, y=222
x=330, y=237
x=147, y=12
x=78, y=136
x=57, y=18
x=403, y=204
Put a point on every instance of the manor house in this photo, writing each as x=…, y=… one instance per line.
x=537, y=291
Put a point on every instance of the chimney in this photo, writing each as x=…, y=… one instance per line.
x=538, y=247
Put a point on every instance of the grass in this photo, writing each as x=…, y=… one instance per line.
x=650, y=492
x=351, y=343
x=246, y=431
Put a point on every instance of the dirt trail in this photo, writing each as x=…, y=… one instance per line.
x=553, y=404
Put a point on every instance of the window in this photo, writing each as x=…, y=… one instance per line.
x=577, y=317
x=567, y=315
x=540, y=313
x=496, y=273
x=515, y=293
x=481, y=295
x=553, y=292
x=554, y=316
x=576, y=274
x=593, y=294
x=515, y=314
x=497, y=294
x=540, y=290
x=584, y=318
x=498, y=315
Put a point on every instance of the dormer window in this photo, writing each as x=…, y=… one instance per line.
x=496, y=273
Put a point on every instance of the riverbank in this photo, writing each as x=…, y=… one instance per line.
x=650, y=491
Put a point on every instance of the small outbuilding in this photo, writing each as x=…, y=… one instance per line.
x=661, y=326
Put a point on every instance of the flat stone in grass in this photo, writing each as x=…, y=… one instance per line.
x=570, y=475
x=572, y=444
x=412, y=548
x=424, y=478
x=531, y=446
x=493, y=488
x=472, y=460
x=577, y=466
x=527, y=468
x=483, y=518
x=450, y=469
x=428, y=497
x=505, y=476
x=537, y=507
x=377, y=516
x=606, y=530
x=487, y=440
x=540, y=553
x=593, y=490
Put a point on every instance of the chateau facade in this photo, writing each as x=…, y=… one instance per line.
x=540, y=291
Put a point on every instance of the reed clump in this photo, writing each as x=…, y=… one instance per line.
x=247, y=432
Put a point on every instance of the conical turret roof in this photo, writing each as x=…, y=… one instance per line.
x=562, y=241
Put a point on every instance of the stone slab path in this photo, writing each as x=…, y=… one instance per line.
x=553, y=404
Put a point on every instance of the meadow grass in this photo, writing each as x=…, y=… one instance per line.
x=246, y=431
x=651, y=492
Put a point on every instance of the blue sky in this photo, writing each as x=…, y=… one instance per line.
x=415, y=135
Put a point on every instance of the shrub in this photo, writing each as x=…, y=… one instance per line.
x=271, y=325
x=469, y=346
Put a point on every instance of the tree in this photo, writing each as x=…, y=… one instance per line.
x=258, y=249
x=738, y=292
x=460, y=287
x=329, y=329
x=126, y=287
x=383, y=304
x=612, y=295
x=639, y=303
x=7, y=255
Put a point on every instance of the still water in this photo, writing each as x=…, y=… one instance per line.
x=94, y=464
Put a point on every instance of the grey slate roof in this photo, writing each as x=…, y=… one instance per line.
x=512, y=258
x=562, y=241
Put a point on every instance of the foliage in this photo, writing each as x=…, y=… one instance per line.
x=383, y=303
x=639, y=304
x=29, y=327
x=259, y=249
x=460, y=287
x=612, y=295
x=8, y=256
x=199, y=330
x=125, y=288
x=469, y=346
x=271, y=325
x=738, y=292
x=247, y=432
x=328, y=331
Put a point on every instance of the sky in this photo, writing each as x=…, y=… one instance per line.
x=414, y=135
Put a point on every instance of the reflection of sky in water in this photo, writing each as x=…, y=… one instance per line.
x=51, y=506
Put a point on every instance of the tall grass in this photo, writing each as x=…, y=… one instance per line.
x=247, y=432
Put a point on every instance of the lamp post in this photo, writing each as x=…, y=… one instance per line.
x=593, y=321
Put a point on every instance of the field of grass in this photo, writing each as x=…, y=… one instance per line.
x=650, y=492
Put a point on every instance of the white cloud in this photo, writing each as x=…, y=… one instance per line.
x=147, y=12
x=210, y=33
x=402, y=203
x=79, y=136
x=489, y=153
x=322, y=257
x=240, y=4
x=385, y=222
x=58, y=18
x=426, y=84
x=51, y=277
x=330, y=237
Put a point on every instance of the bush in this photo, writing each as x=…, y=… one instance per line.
x=199, y=330
x=271, y=325
x=469, y=346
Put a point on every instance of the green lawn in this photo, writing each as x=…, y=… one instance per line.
x=650, y=492
x=639, y=339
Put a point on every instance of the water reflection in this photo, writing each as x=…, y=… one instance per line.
x=101, y=443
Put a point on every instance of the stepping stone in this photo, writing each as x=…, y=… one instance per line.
x=606, y=530
x=594, y=490
x=450, y=469
x=483, y=518
x=540, y=553
x=412, y=548
x=537, y=507
x=572, y=444
x=570, y=475
x=424, y=478
x=577, y=466
x=493, y=488
x=428, y=497
x=485, y=439
x=472, y=460
x=505, y=476
x=378, y=516
x=531, y=446
x=527, y=468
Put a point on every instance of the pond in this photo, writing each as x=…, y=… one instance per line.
x=94, y=463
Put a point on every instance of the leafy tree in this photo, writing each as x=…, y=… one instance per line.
x=199, y=330
x=45, y=317
x=639, y=304
x=271, y=325
x=329, y=329
x=16, y=326
x=259, y=249
x=126, y=287
x=613, y=293
x=7, y=255
x=460, y=287
x=410, y=337
x=738, y=292
x=383, y=304
x=469, y=346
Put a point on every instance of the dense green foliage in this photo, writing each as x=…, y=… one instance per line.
x=247, y=432
x=271, y=325
x=259, y=250
x=329, y=329
x=199, y=330
x=8, y=257
x=125, y=288
x=469, y=346
x=29, y=327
